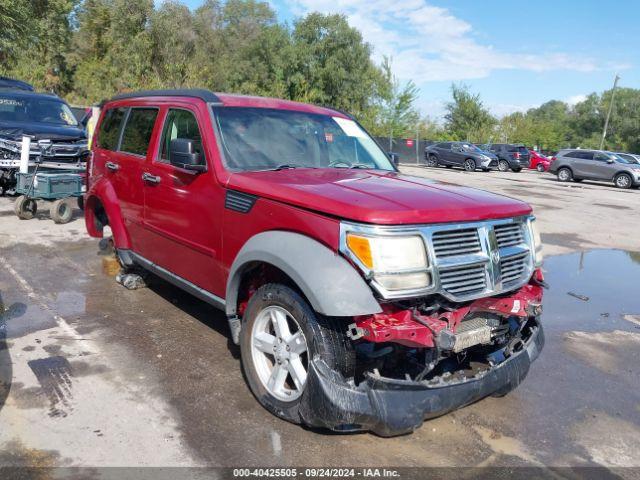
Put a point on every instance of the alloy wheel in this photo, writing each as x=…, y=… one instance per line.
x=469, y=165
x=503, y=166
x=279, y=353
x=623, y=181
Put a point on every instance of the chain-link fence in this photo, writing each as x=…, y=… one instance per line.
x=409, y=150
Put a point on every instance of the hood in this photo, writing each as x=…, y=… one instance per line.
x=41, y=131
x=373, y=196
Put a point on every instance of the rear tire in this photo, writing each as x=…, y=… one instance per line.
x=517, y=170
x=623, y=180
x=432, y=161
x=503, y=166
x=61, y=211
x=25, y=208
x=275, y=325
x=565, y=175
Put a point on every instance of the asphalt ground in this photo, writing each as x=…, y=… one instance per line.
x=93, y=375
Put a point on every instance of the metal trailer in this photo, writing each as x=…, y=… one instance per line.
x=57, y=187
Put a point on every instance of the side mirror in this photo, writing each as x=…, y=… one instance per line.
x=610, y=160
x=182, y=154
x=395, y=158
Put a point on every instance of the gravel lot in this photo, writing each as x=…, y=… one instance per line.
x=96, y=375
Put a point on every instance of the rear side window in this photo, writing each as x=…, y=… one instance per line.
x=109, y=132
x=444, y=145
x=138, y=130
x=180, y=124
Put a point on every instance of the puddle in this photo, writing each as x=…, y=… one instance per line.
x=609, y=278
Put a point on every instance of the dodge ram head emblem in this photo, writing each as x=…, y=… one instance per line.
x=495, y=257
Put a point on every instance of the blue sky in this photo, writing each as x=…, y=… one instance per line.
x=516, y=54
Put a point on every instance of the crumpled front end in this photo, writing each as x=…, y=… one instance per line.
x=415, y=365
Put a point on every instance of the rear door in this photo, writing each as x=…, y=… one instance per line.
x=120, y=154
x=444, y=152
x=582, y=163
x=457, y=155
x=183, y=208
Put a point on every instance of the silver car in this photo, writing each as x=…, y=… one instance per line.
x=577, y=165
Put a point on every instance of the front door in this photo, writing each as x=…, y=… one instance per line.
x=182, y=208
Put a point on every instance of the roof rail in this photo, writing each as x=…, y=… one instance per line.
x=206, y=95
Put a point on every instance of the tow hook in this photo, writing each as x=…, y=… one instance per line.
x=354, y=332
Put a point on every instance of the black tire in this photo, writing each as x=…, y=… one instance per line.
x=470, y=165
x=81, y=202
x=565, y=175
x=623, y=180
x=517, y=170
x=432, y=161
x=325, y=338
x=25, y=208
x=503, y=166
x=60, y=211
x=449, y=166
x=540, y=167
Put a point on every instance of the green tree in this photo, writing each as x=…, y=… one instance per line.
x=331, y=65
x=466, y=117
x=395, y=113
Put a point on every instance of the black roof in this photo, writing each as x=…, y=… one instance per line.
x=6, y=82
x=201, y=93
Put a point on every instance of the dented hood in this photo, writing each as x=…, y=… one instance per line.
x=378, y=197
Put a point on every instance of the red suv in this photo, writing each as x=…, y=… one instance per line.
x=361, y=298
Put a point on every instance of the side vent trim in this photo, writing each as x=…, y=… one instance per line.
x=239, y=202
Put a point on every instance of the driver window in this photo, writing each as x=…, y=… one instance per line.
x=601, y=157
x=180, y=124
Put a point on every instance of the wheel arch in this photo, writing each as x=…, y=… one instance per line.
x=331, y=285
x=102, y=209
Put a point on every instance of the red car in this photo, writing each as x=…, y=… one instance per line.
x=539, y=162
x=361, y=298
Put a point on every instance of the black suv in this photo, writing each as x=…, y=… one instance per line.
x=56, y=136
x=459, y=154
x=514, y=156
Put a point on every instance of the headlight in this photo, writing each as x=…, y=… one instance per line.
x=396, y=263
x=537, y=242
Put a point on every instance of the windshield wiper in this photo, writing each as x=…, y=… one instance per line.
x=363, y=166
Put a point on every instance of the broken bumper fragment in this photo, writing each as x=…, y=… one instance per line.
x=390, y=407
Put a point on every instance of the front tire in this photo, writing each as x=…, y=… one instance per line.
x=503, y=166
x=540, y=168
x=470, y=165
x=25, y=208
x=623, y=180
x=280, y=335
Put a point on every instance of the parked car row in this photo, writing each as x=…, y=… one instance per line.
x=623, y=169
x=503, y=156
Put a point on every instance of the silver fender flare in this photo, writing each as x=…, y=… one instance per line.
x=331, y=284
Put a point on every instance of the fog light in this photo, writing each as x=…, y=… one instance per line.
x=405, y=281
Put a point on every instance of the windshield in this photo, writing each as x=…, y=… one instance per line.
x=467, y=147
x=626, y=158
x=35, y=109
x=264, y=139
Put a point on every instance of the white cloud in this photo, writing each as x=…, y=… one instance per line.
x=576, y=99
x=428, y=43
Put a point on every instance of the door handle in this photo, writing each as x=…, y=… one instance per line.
x=112, y=166
x=147, y=177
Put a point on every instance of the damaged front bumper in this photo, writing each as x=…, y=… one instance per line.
x=390, y=407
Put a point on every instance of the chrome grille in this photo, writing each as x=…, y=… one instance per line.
x=466, y=261
x=456, y=242
x=513, y=267
x=509, y=234
x=464, y=280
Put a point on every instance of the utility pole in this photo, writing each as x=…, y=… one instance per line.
x=606, y=122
